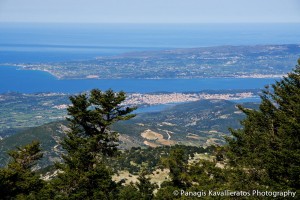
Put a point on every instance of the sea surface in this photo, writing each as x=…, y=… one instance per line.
x=27, y=81
x=23, y=42
x=38, y=43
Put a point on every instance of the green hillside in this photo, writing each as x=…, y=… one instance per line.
x=49, y=136
x=201, y=123
x=198, y=123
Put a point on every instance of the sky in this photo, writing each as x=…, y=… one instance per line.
x=150, y=11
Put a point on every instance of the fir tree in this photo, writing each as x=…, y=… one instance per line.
x=177, y=163
x=145, y=187
x=17, y=180
x=88, y=142
x=129, y=192
x=268, y=145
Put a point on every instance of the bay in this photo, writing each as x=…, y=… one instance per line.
x=26, y=81
x=43, y=43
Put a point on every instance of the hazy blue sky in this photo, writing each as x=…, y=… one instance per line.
x=150, y=11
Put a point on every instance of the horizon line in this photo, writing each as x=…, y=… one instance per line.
x=144, y=23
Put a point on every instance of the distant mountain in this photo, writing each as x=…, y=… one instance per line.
x=200, y=123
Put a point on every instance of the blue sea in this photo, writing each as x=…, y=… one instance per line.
x=36, y=43
x=25, y=81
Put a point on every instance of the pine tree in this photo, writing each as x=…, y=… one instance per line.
x=18, y=180
x=268, y=145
